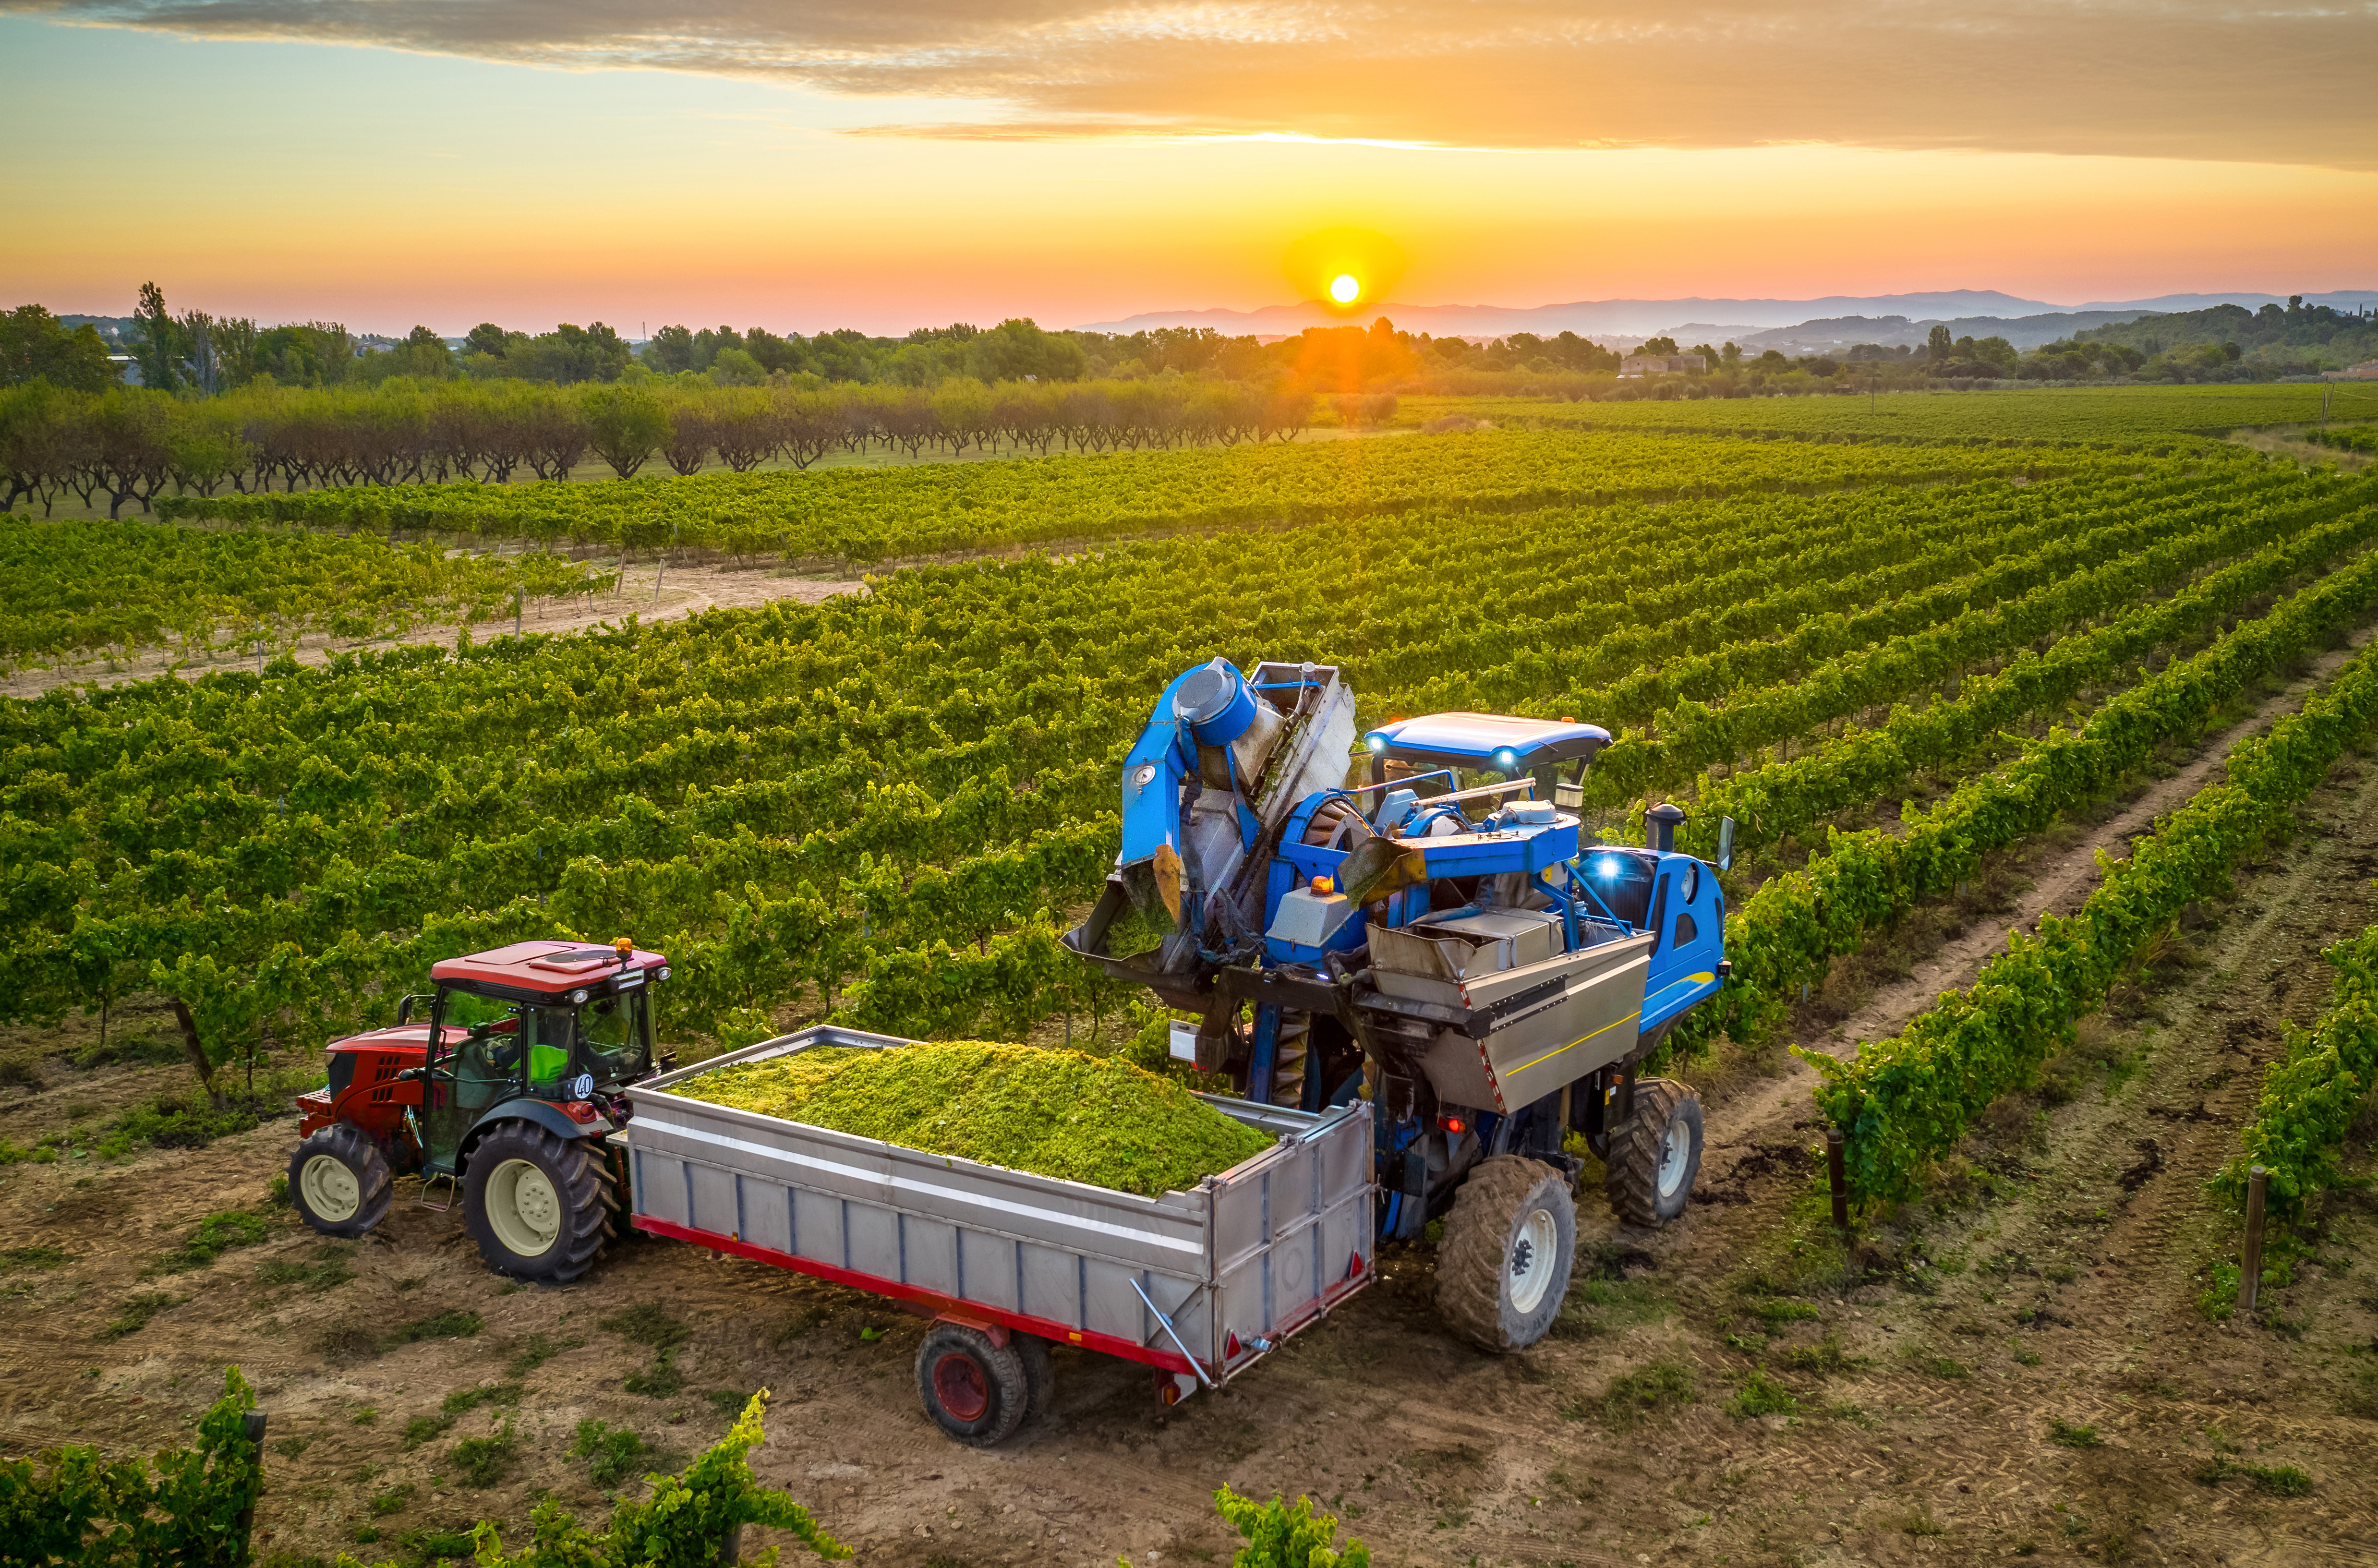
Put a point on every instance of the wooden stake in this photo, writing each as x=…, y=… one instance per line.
x=2250, y=1267
x=1839, y=1178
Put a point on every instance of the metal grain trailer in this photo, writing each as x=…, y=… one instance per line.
x=1197, y=1284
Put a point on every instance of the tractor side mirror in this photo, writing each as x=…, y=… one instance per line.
x=1726, y=843
x=405, y=1011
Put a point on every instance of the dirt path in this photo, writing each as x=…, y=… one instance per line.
x=683, y=590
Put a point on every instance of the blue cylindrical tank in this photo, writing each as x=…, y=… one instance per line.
x=1216, y=704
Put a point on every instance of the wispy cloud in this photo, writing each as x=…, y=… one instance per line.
x=2180, y=79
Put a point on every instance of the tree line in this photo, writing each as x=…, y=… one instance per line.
x=194, y=352
x=130, y=443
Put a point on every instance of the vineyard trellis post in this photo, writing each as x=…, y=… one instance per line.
x=2250, y=1264
x=1839, y=1179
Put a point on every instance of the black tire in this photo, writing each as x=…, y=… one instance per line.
x=975, y=1391
x=1656, y=1155
x=1040, y=1377
x=538, y=1206
x=1509, y=1244
x=339, y=1182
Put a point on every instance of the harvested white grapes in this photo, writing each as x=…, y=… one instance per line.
x=1096, y=1120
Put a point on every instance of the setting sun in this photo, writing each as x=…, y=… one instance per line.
x=1344, y=287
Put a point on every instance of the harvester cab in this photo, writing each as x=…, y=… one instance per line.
x=1439, y=938
x=506, y=1094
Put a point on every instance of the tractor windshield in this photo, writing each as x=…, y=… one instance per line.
x=614, y=1036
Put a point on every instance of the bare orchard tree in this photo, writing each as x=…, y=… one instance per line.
x=558, y=435
x=693, y=434
x=131, y=424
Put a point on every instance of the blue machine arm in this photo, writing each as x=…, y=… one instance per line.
x=1160, y=760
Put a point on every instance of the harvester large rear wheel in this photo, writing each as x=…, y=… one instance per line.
x=536, y=1204
x=1509, y=1244
x=339, y=1182
x=1655, y=1154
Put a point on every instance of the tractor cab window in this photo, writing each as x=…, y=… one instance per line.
x=491, y=1045
x=485, y=1048
x=616, y=1037
x=545, y=1040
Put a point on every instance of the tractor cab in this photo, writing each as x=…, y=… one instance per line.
x=565, y=1025
x=505, y=1095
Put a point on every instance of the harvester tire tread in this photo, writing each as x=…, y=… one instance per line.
x=1474, y=1263
x=1640, y=1150
x=579, y=1183
x=375, y=1185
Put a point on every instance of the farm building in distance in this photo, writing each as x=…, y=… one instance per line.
x=1661, y=363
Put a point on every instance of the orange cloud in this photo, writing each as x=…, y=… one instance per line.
x=2166, y=78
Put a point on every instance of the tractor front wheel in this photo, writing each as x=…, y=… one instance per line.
x=339, y=1182
x=536, y=1205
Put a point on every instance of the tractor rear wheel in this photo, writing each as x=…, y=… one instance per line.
x=339, y=1182
x=976, y=1390
x=1509, y=1244
x=1655, y=1155
x=536, y=1204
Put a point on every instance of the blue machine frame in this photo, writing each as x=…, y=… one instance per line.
x=1448, y=840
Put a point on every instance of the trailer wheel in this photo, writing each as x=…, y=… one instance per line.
x=1654, y=1158
x=975, y=1391
x=1040, y=1377
x=1509, y=1244
x=339, y=1182
x=536, y=1205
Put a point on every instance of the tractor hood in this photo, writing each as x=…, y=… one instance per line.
x=400, y=1037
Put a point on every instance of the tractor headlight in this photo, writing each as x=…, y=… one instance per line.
x=1378, y=743
x=664, y=973
x=576, y=996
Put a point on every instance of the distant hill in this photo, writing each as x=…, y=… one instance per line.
x=2312, y=333
x=1636, y=317
x=113, y=328
x=1836, y=334
x=1632, y=320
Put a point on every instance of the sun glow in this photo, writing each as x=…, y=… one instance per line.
x=1344, y=287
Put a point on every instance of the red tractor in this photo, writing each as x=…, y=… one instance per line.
x=507, y=1095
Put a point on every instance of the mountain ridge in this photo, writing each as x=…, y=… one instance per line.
x=1648, y=317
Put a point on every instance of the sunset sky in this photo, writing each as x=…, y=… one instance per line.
x=887, y=165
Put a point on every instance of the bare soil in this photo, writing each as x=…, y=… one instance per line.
x=680, y=591
x=2051, y=1275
